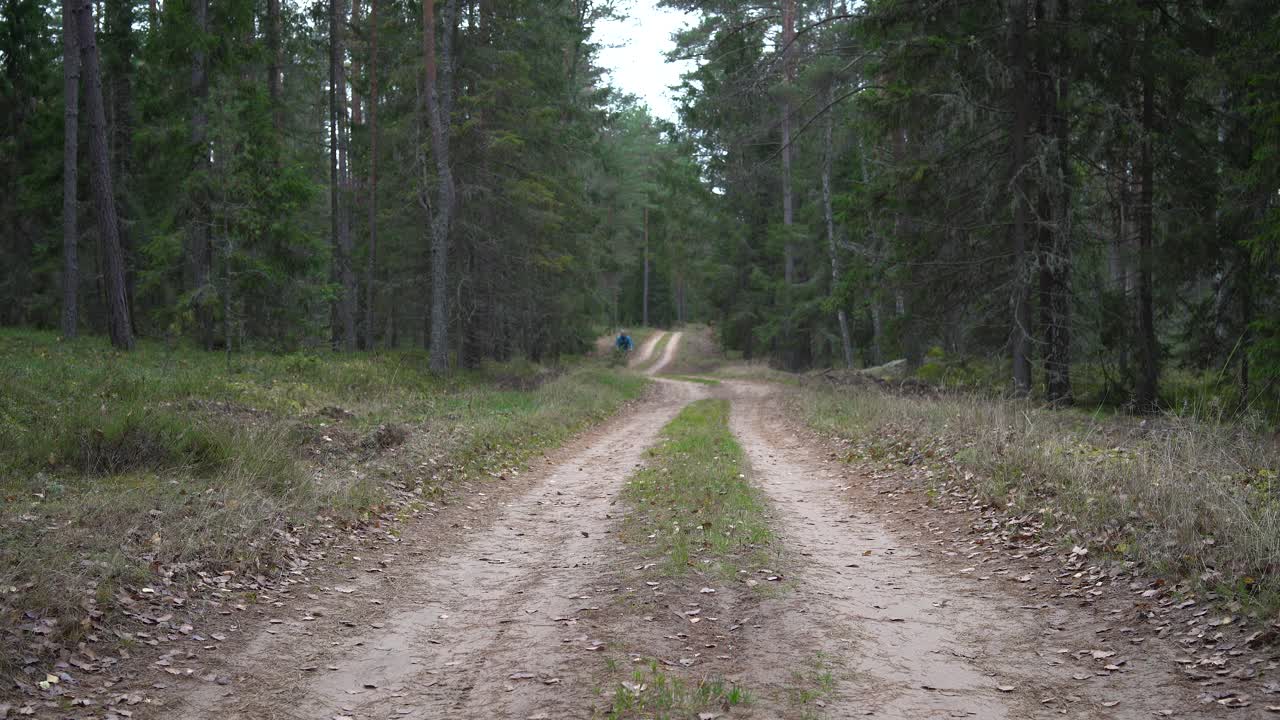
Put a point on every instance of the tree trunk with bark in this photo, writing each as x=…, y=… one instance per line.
x=342, y=314
x=1020, y=99
x=275, y=61
x=439, y=102
x=118, y=27
x=828, y=157
x=119, y=324
x=371, y=259
x=1148, y=364
x=70, y=173
x=788, y=71
x=200, y=250
x=1058, y=321
x=645, y=299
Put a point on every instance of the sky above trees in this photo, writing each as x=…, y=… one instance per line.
x=634, y=53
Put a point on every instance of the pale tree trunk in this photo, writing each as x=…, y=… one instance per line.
x=70, y=173
x=877, y=331
x=828, y=153
x=1020, y=340
x=873, y=248
x=439, y=101
x=371, y=260
x=118, y=322
x=645, y=299
x=346, y=272
x=788, y=70
x=357, y=114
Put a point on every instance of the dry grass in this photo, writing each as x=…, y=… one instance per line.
x=119, y=471
x=1189, y=499
x=698, y=352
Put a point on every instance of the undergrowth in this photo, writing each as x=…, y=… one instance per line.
x=1191, y=500
x=119, y=470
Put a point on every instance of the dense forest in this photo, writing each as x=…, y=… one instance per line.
x=278, y=176
x=1087, y=191
x=1079, y=197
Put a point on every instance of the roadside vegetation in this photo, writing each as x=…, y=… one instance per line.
x=652, y=693
x=1188, y=499
x=120, y=472
x=692, y=505
x=1212, y=395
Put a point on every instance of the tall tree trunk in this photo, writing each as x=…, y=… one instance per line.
x=1020, y=98
x=1246, y=320
x=119, y=325
x=828, y=153
x=877, y=330
x=1148, y=367
x=1058, y=353
x=70, y=173
x=275, y=61
x=371, y=259
x=346, y=271
x=788, y=70
x=357, y=114
x=645, y=299
x=342, y=315
x=439, y=100
x=200, y=251
x=118, y=24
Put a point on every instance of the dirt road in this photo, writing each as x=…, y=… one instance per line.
x=490, y=628
x=668, y=355
x=916, y=640
x=513, y=616
x=645, y=352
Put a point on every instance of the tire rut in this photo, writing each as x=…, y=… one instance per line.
x=918, y=642
x=507, y=602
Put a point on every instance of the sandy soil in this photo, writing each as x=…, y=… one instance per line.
x=645, y=351
x=668, y=355
x=516, y=615
x=917, y=641
x=494, y=627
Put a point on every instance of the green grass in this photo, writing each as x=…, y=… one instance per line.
x=117, y=470
x=1191, y=500
x=695, y=379
x=692, y=505
x=651, y=693
x=810, y=686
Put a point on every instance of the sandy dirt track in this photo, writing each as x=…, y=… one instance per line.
x=509, y=601
x=915, y=640
x=513, y=618
x=645, y=352
x=668, y=355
